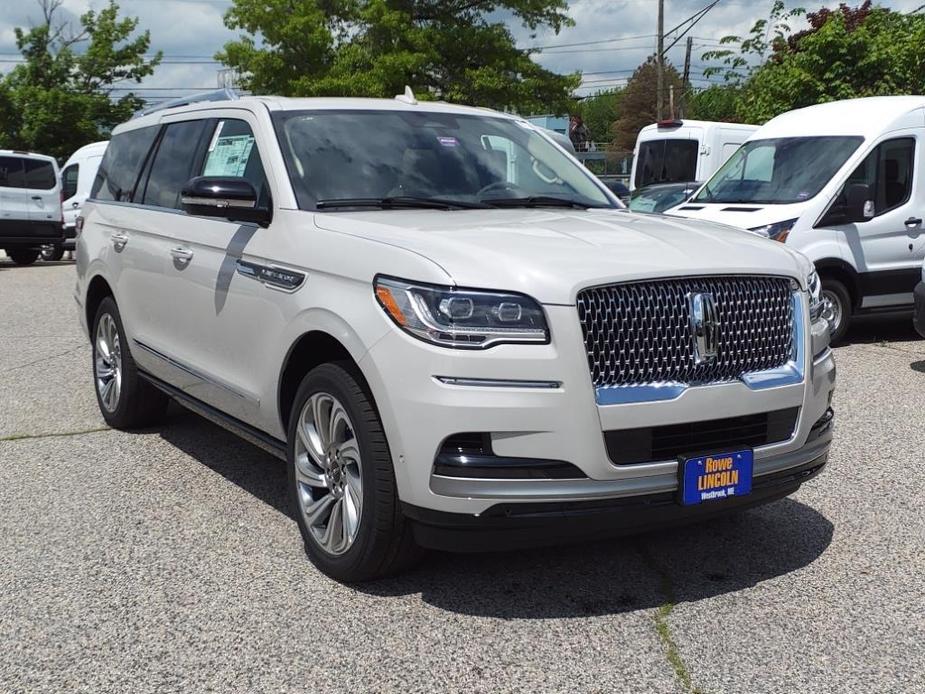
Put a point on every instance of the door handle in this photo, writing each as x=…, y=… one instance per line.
x=119, y=240
x=75, y=205
x=181, y=255
x=913, y=222
x=36, y=197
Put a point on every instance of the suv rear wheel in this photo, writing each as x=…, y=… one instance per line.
x=52, y=253
x=23, y=256
x=342, y=480
x=126, y=401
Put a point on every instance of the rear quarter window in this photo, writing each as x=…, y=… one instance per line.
x=118, y=173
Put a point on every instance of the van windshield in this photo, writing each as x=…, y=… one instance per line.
x=779, y=170
x=351, y=158
x=666, y=161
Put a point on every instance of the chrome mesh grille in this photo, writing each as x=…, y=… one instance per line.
x=640, y=333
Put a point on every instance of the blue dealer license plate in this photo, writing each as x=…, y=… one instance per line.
x=716, y=476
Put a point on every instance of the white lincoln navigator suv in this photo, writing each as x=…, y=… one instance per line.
x=454, y=335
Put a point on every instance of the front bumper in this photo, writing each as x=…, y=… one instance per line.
x=508, y=526
x=422, y=403
x=919, y=317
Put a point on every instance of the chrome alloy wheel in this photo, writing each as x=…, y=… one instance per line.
x=107, y=363
x=328, y=472
x=832, y=310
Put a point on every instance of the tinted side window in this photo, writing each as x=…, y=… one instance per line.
x=173, y=163
x=12, y=172
x=118, y=172
x=233, y=152
x=887, y=171
x=69, y=181
x=40, y=174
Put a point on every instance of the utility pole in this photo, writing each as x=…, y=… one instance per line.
x=660, y=62
x=686, y=82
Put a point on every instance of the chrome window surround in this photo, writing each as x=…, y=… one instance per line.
x=790, y=373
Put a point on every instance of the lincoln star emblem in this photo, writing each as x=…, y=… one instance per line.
x=705, y=326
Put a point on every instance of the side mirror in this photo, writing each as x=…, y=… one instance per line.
x=859, y=206
x=222, y=196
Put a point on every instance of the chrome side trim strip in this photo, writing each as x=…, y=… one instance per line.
x=217, y=203
x=193, y=372
x=791, y=373
x=271, y=276
x=497, y=383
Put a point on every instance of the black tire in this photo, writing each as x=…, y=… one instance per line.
x=25, y=256
x=838, y=294
x=138, y=404
x=52, y=253
x=383, y=544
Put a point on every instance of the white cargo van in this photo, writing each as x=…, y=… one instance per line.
x=30, y=205
x=843, y=183
x=676, y=151
x=76, y=181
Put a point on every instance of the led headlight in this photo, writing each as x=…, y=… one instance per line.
x=468, y=318
x=816, y=302
x=777, y=231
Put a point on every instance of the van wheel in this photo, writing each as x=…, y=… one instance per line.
x=52, y=253
x=838, y=308
x=126, y=401
x=23, y=257
x=342, y=481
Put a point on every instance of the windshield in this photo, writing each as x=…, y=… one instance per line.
x=778, y=171
x=666, y=161
x=402, y=156
x=658, y=200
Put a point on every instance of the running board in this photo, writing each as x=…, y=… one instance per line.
x=252, y=435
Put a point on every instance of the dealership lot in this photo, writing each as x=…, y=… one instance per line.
x=167, y=560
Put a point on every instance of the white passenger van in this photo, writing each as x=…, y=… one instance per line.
x=676, y=151
x=76, y=180
x=30, y=205
x=838, y=182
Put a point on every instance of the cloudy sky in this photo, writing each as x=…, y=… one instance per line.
x=612, y=36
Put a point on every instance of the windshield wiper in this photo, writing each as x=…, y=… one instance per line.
x=400, y=201
x=538, y=201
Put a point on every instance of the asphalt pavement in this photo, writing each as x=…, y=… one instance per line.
x=167, y=560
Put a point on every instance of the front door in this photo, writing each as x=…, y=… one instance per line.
x=210, y=310
x=888, y=248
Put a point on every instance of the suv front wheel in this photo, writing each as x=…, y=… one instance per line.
x=342, y=480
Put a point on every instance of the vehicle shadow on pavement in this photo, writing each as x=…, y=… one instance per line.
x=631, y=573
x=622, y=575
x=895, y=327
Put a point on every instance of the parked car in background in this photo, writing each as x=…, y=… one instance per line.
x=30, y=205
x=657, y=198
x=678, y=151
x=617, y=187
x=842, y=182
x=76, y=180
x=442, y=322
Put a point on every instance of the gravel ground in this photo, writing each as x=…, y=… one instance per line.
x=167, y=560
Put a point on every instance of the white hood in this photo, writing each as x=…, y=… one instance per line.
x=552, y=254
x=742, y=215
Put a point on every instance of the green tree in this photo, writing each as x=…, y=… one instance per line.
x=638, y=102
x=456, y=50
x=60, y=97
x=718, y=102
x=844, y=53
x=599, y=111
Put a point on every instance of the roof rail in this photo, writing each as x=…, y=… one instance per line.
x=225, y=94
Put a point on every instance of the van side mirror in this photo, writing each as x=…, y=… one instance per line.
x=859, y=206
x=234, y=199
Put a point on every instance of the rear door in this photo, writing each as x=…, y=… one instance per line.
x=42, y=191
x=14, y=202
